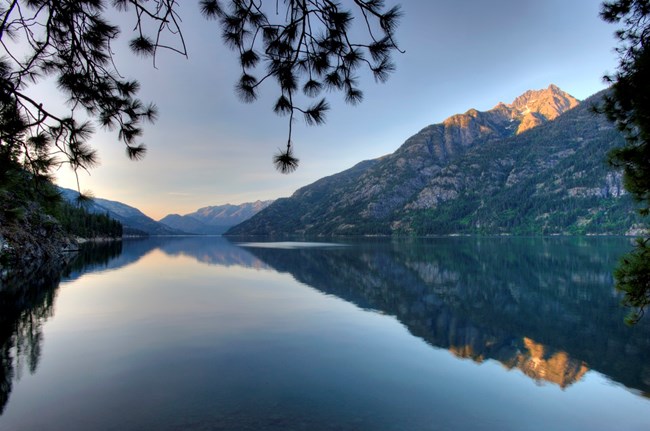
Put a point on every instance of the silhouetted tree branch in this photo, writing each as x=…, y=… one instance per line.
x=305, y=46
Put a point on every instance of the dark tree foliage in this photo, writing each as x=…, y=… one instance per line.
x=629, y=101
x=633, y=278
x=69, y=42
x=76, y=221
x=305, y=46
x=309, y=49
x=18, y=192
x=628, y=105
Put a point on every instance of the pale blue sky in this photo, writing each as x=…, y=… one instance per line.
x=208, y=148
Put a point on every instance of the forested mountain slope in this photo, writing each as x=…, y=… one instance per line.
x=535, y=166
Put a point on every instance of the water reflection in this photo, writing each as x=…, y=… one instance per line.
x=27, y=297
x=544, y=306
x=208, y=250
x=25, y=304
x=27, y=301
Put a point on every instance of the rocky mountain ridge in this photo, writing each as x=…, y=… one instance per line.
x=477, y=172
x=535, y=107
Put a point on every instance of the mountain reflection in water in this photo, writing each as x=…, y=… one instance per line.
x=543, y=306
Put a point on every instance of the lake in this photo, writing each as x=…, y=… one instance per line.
x=201, y=333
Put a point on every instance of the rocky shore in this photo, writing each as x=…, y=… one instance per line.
x=30, y=239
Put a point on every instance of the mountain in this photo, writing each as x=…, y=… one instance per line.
x=534, y=166
x=134, y=221
x=536, y=107
x=214, y=220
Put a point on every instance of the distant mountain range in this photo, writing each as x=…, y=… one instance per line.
x=204, y=221
x=535, y=166
x=214, y=220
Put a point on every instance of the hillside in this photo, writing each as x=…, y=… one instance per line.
x=535, y=166
x=37, y=226
x=134, y=221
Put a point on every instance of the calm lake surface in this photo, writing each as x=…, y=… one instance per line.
x=437, y=334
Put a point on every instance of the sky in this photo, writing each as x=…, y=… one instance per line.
x=208, y=148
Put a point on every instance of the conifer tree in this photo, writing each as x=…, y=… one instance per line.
x=628, y=105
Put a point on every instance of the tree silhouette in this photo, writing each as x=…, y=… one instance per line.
x=628, y=105
x=305, y=46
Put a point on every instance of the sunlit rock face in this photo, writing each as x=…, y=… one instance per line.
x=535, y=107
